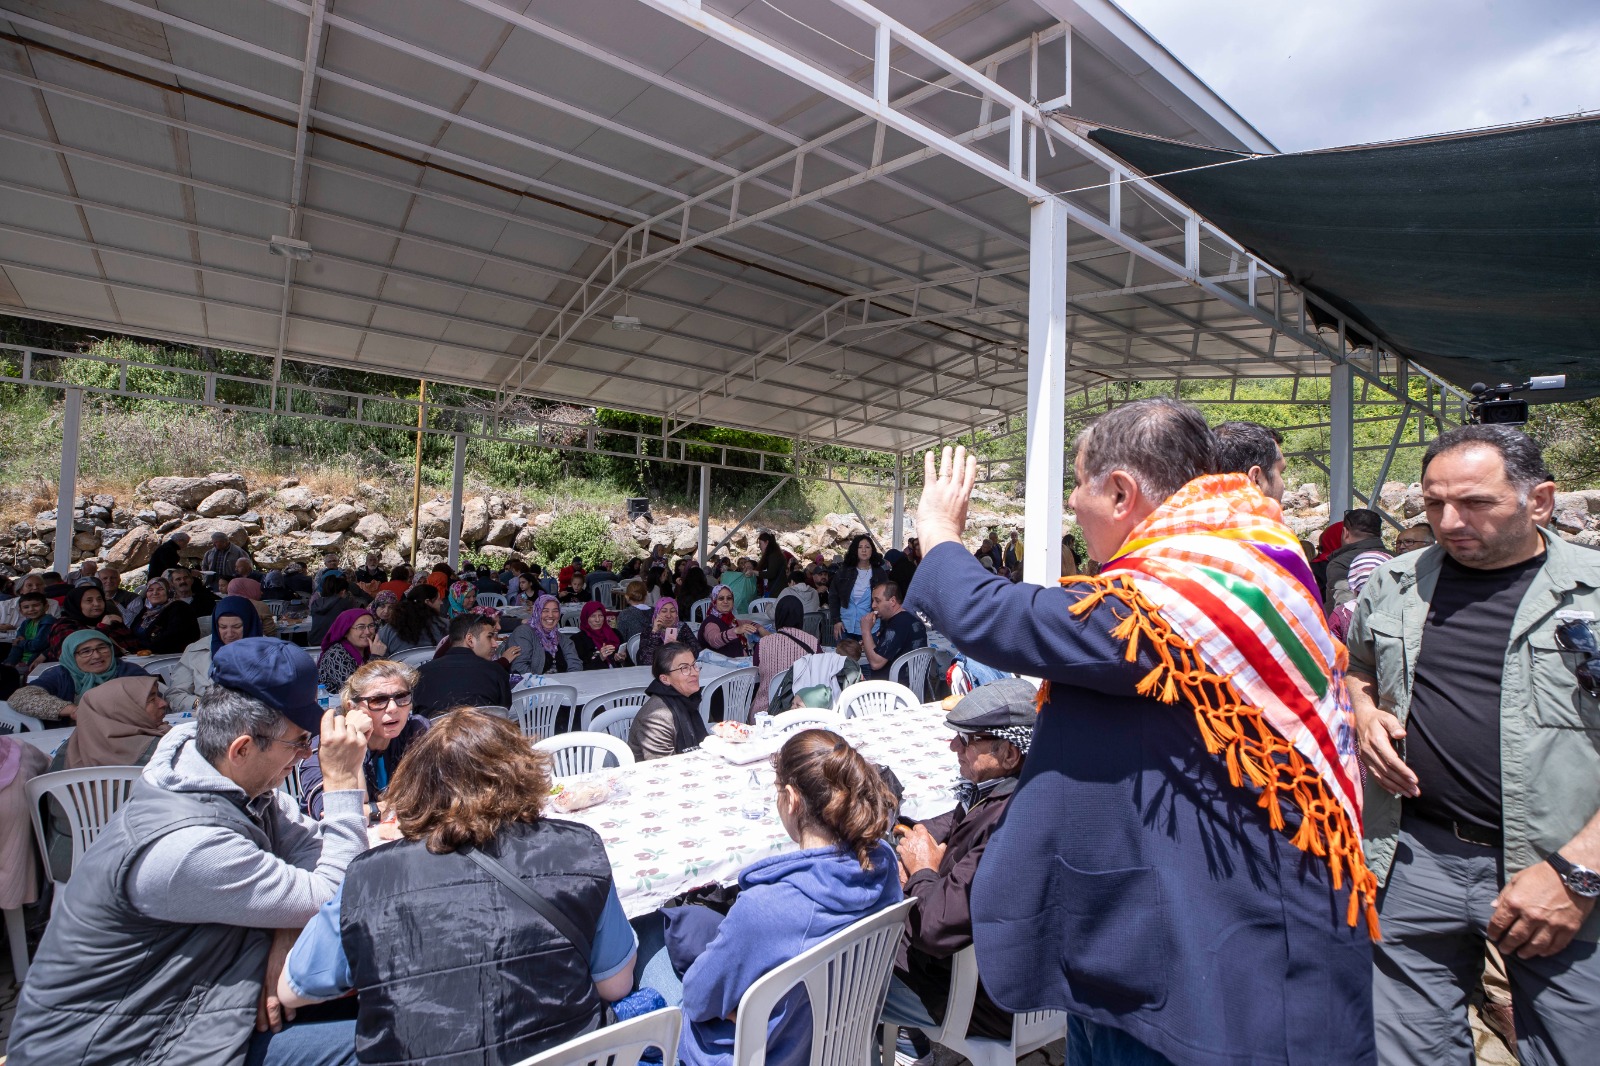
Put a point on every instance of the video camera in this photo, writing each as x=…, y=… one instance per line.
x=1495, y=407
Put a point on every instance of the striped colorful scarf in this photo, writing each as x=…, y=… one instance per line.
x=1218, y=587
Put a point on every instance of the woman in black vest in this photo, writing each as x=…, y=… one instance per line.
x=467, y=888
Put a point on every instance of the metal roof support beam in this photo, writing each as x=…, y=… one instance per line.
x=1341, y=429
x=458, y=481
x=782, y=481
x=857, y=512
x=302, y=137
x=704, y=540
x=898, y=537
x=1048, y=355
x=67, y=487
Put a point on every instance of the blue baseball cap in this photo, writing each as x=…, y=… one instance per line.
x=275, y=672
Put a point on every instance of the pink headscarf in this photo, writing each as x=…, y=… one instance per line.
x=605, y=634
x=248, y=587
x=340, y=630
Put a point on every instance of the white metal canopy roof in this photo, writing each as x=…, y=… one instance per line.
x=485, y=184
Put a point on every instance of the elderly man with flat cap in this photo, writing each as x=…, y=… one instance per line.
x=940, y=856
x=167, y=942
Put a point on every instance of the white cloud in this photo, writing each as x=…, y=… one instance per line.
x=1321, y=73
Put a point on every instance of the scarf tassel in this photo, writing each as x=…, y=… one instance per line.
x=1234, y=729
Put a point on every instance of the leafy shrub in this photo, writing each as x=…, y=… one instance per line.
x=589, y=535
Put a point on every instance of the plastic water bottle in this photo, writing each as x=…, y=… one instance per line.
x=763, y=724
x=753, y=804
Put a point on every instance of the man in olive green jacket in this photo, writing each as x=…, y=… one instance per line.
x=1479, y=726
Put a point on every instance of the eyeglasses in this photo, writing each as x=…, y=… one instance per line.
x=366, y=628
x=302, y=747
x=685, y=668
x=383, y=699
x=1574, y=635
x=963, y=739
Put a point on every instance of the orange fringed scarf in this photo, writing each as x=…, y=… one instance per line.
x=1206, y=582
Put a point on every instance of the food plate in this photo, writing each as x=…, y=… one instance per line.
x=752, y=750
x=580, y=793
x=733, y=732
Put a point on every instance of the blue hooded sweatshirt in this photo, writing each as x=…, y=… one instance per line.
x=786, y=904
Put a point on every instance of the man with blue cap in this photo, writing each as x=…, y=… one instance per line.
x=172, y=931
x=939, y=856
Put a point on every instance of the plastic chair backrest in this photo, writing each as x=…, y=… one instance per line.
x=414, y=657
x=571, y=614
x=12, y=722
x=627, y=697
x=764, y=607
x=291, y=784
x=619, y=1044
x=584, y=752
x=865, y=698
x=633, y=648
x=698, y=609
x=536, y=708
x=157, y=665
x=847, y=978
x=601, y=591
x=738, y=688
x=806, y=718
x=617, y=722
x=911, y=670
x=491, y=599
x=89, y=796
x=618, y=598
x=816, y=622
x=1029, y=1031
x=497, y=710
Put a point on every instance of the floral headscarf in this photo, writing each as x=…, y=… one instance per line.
x=386, y=598
x=605, y=634
x=338, y=633
x=726, y=617
x=248, y=587
x=549, y=639
x=458, y=597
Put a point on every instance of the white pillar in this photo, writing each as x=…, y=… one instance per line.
x=705, y=514
x=1341, y=458
x=899, y=529
x=1047, y=388
x=67, y=490
x=457, y=487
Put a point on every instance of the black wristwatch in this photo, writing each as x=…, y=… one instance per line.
x=1580, y=879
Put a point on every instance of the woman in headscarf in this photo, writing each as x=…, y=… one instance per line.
x=233, y=618
x=722, y=632
x=440, y=577
x=666, y=628
x=250, y=589
x=463, y=598
x=597, y=644
x=788, y=644
x=85, y=608
x=19, y=869
x=164, y=624
x=351, y=641
x=538, y=646
x=88, y=659
x=119, y=724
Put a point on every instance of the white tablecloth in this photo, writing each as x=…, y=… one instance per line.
x=592, y=683
x=679, y=823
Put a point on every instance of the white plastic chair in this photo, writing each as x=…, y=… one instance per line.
x=617, y=722
x=89, y=796
x=572, y=754
x=1029, y=1031
x=698, y=609
x=292, y=786
x=12, y=722
x=738, y=688
x=618, y=1045
x=618, y=598
x=633, y=648
x=157, y=665
x=571, y=614
x=536, y=708
x=763, y=608
x=626, y=697
x=866, y=698
x=847, y=979
x=491, y=599
x=414, y=657
x=815, y=623
x=806, y=718
x=911, y=670
x=600, y=592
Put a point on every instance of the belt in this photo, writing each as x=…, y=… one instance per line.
x=1471, y=834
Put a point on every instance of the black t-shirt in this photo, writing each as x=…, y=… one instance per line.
x=1452, y=738
x=896, y=636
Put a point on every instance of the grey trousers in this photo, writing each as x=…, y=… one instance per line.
x=1435, y=911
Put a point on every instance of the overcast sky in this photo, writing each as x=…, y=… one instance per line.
x=1323, y=73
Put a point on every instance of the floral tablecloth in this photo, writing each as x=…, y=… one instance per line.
x=679, y=822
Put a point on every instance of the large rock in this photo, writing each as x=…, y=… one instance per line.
x=1573, y=501
x=339, y=517
x=276, y=525
x=525, y=538
x=298, y=498
x=433, y=518
x=222, y=502
x=187, y=492
x=1411, y=505
x=133, y=549
x=165, y=511
x=200, y=534
x=503, y=532
x=391, y=559
x=375, y=529
x=1571, y=520
x=324, y=541
x=474, y=520
x=1391, y=494
x=499, y=553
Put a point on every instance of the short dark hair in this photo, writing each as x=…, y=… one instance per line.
x=661, y=663
x=1242, y=445
x=1521, y=455
x=1364, y=520
x=1161, y=443
x=462, y=626
x=334, y=584
x=32, y=597
x=890, y=588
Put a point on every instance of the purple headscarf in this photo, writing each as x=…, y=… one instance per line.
x=340, y=630
x=549, y=639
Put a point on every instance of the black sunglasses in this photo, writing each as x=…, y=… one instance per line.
x=1575, y=636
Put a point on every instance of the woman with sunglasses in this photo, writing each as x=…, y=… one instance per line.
x=382, y=688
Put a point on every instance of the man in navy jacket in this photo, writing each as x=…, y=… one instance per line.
x=1131, y=884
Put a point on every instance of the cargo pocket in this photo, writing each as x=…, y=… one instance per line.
x=1116, y=942
x=1389, y=658
x=1559, y=701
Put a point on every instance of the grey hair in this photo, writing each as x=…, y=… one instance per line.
x=1161, y=443
x=222, y=715
x=1520, y=454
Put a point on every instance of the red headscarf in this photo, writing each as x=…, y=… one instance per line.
x=1331, y=540
x=605, y=634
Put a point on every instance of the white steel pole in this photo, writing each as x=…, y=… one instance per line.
x=705, y=514
x=1047, y=387
x=899, y=530
x=1341, y=459
x=457, y=488
x=67, y=490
